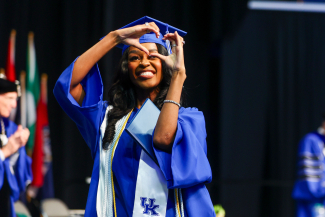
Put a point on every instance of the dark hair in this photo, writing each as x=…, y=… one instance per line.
x=122, y=95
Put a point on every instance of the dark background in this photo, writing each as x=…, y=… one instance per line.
x=258, y=76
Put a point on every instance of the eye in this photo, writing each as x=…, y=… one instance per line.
x=133, y=58
x=152, y=57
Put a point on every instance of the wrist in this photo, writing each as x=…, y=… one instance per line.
x=179, y=76
x=5, y=152
x=176, y=87
x=114, y=37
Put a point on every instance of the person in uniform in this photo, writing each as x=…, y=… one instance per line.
x=309, y=188
x=125, y=182
x=15, y=165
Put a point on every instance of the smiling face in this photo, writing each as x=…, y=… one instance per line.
x=8, y=101
x=145, y=71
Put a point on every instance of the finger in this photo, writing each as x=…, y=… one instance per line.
x=148, y=29
x=144, y=49
x=26, y=130
x=153, y=24
x=169, y=34
x=171, y=38
x=173, y=45
x=160, y=56
x=179, y=40
x=25, y=134
x=19, y=128
x=17, y=134
x=179, y=45
x=176, y=37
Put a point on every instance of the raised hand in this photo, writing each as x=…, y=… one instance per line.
x=130, y=36
x=16, y=141
x=24, y=135
x=167, y=122
x=175, y=61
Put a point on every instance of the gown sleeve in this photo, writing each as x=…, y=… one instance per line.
x=2, y=172
x=187, y=165
x=22, y=169
x=88, y=116
x=310, y=184
x=4, y=164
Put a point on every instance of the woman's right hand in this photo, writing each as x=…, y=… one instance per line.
x=130, y=36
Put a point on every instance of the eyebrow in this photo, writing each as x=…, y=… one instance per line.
x=138, y=51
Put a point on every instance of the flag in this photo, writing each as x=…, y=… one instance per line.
x=32, y=91
x=42, y=155
x=23, y=99
x=10, y=66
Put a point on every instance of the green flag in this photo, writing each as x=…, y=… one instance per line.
x=32, y=91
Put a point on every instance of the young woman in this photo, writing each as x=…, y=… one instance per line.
x=123, y=183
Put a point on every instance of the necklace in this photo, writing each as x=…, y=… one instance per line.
x=3, y=137
x=2, y=128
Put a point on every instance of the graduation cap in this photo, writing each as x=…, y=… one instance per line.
x=8, y=86
x=151, y=36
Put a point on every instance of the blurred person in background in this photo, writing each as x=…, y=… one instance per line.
x=15, y=165
x=309, y=188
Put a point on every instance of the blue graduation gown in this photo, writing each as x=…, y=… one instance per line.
x=187, y=167
x=22, y=170
x=309, y=189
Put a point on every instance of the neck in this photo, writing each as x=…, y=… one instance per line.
x=142, y=95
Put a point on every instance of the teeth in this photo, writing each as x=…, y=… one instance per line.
x=146, y=73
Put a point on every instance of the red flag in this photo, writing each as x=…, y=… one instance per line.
x=42, y=152
x=10, y=67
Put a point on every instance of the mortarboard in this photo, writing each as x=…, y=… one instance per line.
x=151, y=37
x=8, y=86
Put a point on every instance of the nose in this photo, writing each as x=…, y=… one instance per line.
x=14, y=104
x=145, y=62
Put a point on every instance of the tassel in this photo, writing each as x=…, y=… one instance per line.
x=169, y=50
x=168, y=47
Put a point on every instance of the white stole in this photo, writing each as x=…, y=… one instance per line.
x=151, y=191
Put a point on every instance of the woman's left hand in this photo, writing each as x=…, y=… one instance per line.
x=166, y=126
x=175, y=61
